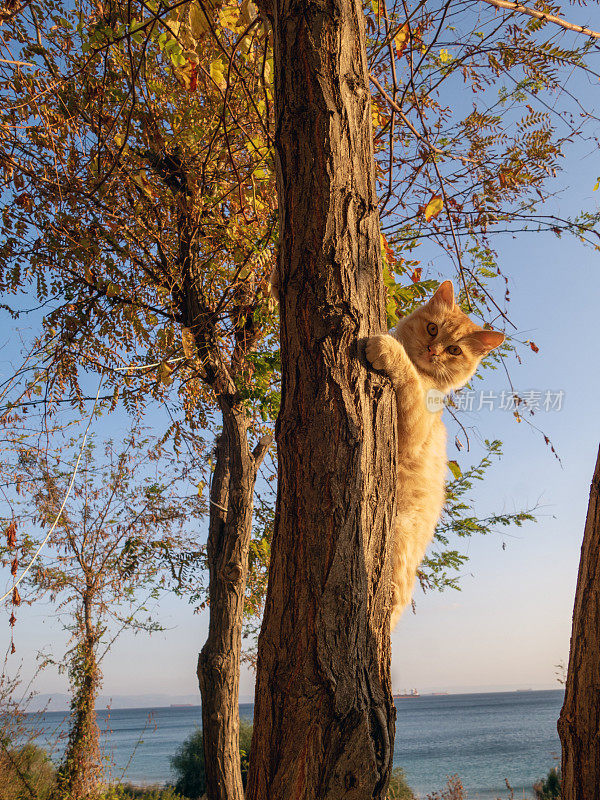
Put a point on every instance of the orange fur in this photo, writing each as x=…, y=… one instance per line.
x=416, y=359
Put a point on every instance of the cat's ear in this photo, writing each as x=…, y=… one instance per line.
x=444, y=294
x=484, y=341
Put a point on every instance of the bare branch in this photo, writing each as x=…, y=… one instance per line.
x=58, y=516
x=409, y=125
x=261, y=449
x=532, y=12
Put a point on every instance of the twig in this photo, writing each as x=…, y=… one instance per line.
x=17, y=63
x=409, y=125
x=58, y=516
x=532, y=12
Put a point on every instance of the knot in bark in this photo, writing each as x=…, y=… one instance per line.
x=232, y=572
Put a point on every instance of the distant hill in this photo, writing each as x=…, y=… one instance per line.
x=60, y=702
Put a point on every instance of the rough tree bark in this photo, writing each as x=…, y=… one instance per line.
x=324, y=716
x=79, y=774
x=579, y=723
x=230, y=515
x=230, y=529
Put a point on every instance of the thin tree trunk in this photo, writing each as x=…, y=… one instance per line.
x=324, y=715
x=230, y=530
x=81, y=768
x=579, y=723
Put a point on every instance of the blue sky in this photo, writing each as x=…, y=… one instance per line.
x=510, y=624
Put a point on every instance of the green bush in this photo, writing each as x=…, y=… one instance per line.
x=245, y=742
x=24, y=770
x=399, y=788
x=188, y=765
x=188, y=762
x=125, y=791
x=548, y=788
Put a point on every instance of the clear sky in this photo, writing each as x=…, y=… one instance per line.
x=510, y=624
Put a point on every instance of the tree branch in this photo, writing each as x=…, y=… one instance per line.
x=261, y=449
x=411, y=127
x=532, y=12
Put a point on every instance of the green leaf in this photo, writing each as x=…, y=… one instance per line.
x=455, y=469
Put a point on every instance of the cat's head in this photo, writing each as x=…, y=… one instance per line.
x=443, y=343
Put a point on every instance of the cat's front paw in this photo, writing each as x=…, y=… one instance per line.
x=381, y=351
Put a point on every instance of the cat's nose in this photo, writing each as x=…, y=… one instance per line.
x=434, y=351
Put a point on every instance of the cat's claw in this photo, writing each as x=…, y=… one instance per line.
x=380, y=351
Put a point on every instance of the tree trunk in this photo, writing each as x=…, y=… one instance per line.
x=230, y=529
x=324, y=715
x=79, y=774
x=579, y=723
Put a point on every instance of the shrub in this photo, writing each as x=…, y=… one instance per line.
x=245, y=742
x=125, y=791
x=188, y=762
x=24, y=770
x=454, y=790
x=548, y=788
x=399, y=788
x=188, y=765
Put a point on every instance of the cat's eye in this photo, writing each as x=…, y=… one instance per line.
x=454, y=350
x=432, y=329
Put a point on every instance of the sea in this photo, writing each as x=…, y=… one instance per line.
x=486, y=739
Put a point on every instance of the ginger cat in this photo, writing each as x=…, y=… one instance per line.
x=437, y=347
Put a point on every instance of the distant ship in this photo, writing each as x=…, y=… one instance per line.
x=183, y=705
x=406, y=695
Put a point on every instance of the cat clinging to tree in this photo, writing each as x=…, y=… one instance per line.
x=431, y=352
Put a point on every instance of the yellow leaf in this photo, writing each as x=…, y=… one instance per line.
x=401, y=38
x=268, y=70
x=217, y=73
x=189, y=343
x=445, y=56
x=376, y=117
x=229, y=16
x=198, y=21
x=245, y=44
x=433, y=207
x=173, y=27
x=248, y=12
x=164, y=373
